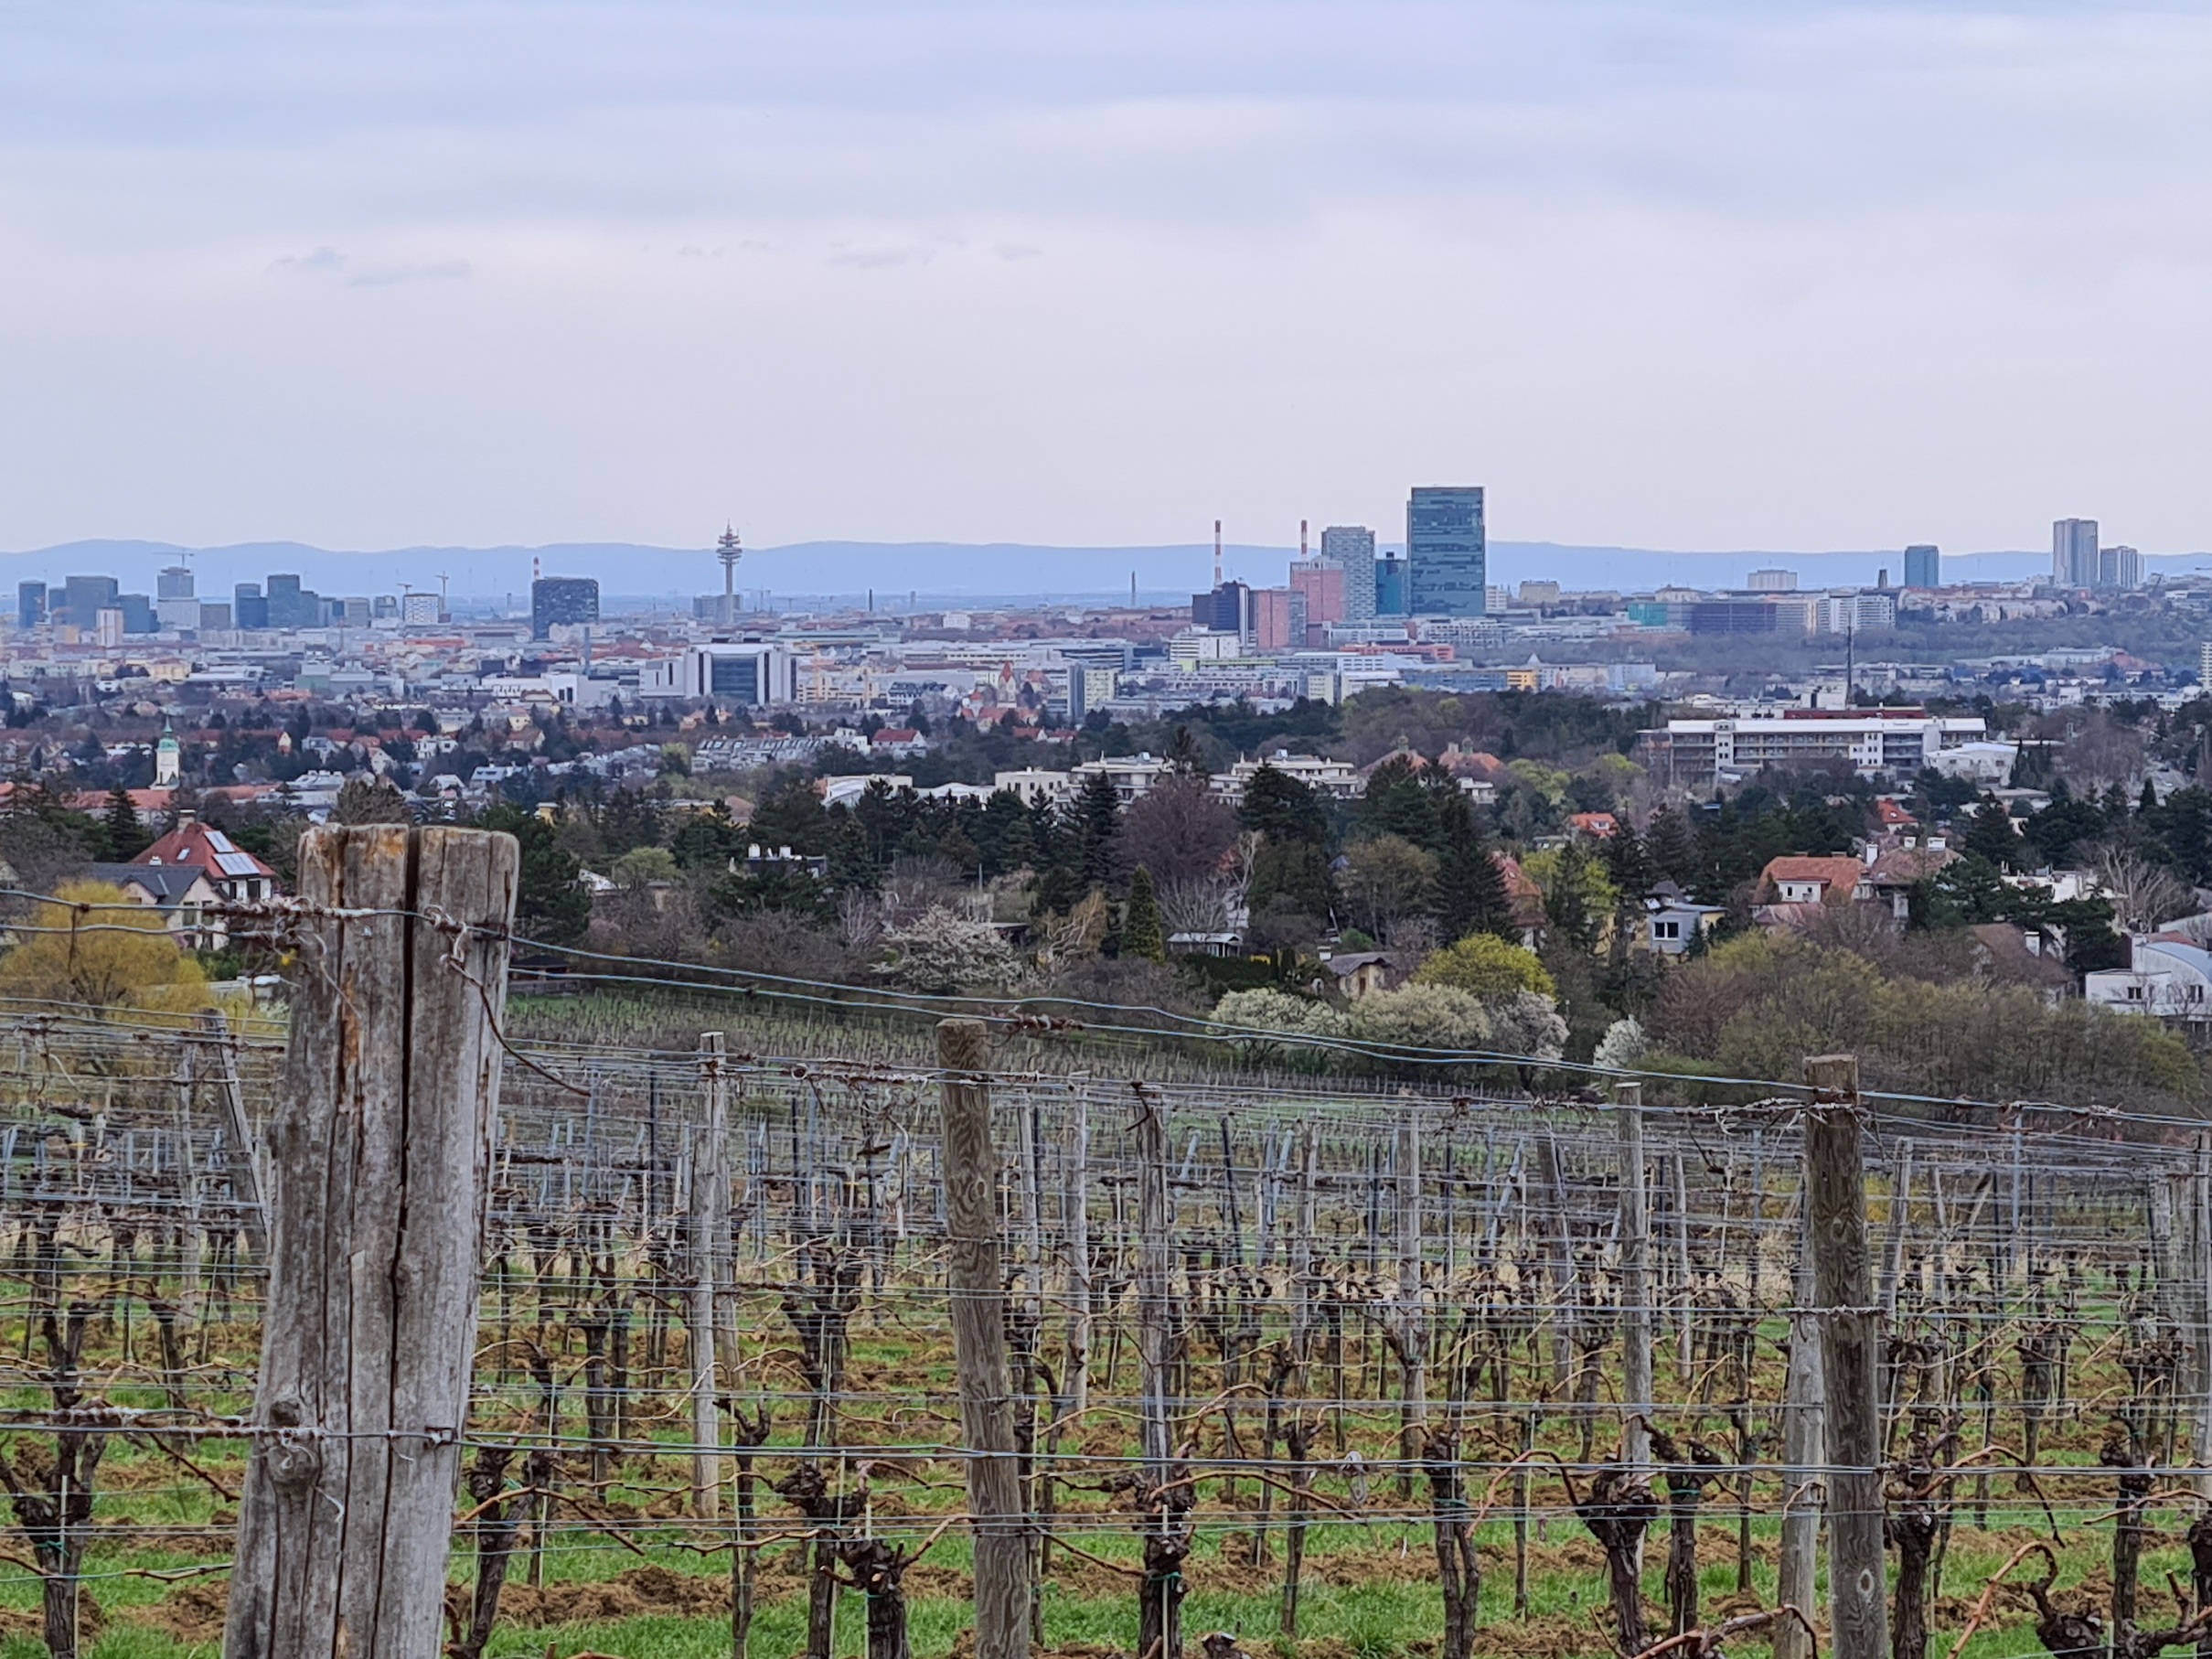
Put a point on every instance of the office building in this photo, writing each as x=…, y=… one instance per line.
x=1390, y=587
x=138, y=616
x=107, y=627
x=1226, y=610
x=1732, y=616
x=1279, y=619
x=1856, y=613
x=84, y=597
x=750, y=672
x=30, y=603
x=214, y=617
x=1351, y=548
x=174, y=605
x=420, y=610
x=2074, y=552
x=293, y=607
x=2119, y=567
x=1445, y=554
x=248, y=605
x=2204, y=663
x=563, y=601
x=1923, y=566
x=1771, y=581
x=1325, y=587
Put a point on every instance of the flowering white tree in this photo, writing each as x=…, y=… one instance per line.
x=1422, y=1017
x=940, y=951
x=1249, y=1013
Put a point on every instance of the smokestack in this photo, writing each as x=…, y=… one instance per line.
x=1132, y=590
x=1217, y=553
x=1301, y=540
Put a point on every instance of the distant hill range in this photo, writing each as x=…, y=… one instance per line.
x=934, y=572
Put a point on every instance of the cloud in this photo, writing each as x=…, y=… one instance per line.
x=330, y=262
x=322, y=259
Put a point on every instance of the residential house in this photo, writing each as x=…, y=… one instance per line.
x=1673, y=921
x=1892, y=874
x=236, y=876
x=1813, y=881
x=189, y=902
x=1357, y=973
x=2168, y=977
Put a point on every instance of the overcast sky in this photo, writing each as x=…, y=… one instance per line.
x=1690, y=276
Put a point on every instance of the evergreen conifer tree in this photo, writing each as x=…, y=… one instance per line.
x=1141, y=935
x=1471, y=890
x=123, y=837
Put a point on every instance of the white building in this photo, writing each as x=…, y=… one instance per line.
x=2167, y=978
x=1856, y=613
x=1035, y=786
x=751, y=671
x=1693, y=753
x=1325, y=776
x=1133, y=775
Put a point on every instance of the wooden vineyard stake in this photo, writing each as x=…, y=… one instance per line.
x=1636, y=1385
x=978, y=1291
x=380, y=1150
x=709, y=1199
x=1842, y=1288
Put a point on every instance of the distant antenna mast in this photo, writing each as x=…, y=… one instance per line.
x=1217, y=553
x=1301, y=541
x=729, y=551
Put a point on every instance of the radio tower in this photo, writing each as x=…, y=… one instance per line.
x=729, y=551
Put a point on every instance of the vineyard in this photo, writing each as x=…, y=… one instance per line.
x=1326, y=1372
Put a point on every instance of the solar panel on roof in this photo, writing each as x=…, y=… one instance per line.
x=236, y=863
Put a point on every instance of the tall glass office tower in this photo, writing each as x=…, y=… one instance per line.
x=1352, y=546
x=1447, y=559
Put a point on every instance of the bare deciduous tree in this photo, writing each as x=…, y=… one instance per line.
x=2144, y=893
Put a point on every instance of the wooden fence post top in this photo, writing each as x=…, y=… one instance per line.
x=1833, y=1074
x=963, y=1045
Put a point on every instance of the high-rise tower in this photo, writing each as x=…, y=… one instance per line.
x=1447, y=554
x=729, y=551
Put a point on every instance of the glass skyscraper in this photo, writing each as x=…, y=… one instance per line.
x=1352, y=546
x=1447, y=556
x=1923, y=566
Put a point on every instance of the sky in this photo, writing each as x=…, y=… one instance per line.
x=1696, y=275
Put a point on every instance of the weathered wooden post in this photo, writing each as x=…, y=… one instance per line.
x=709, y=1205
x=378, y=1151
x=1636, y=1386
x=1843, y=1286
x=977, y=1288
x=1804, y=1443
x=240, y=1168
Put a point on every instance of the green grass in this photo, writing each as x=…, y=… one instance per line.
x=1379, y=1620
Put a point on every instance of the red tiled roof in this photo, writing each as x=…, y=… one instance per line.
x=198, y=843
x=1839, y=875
